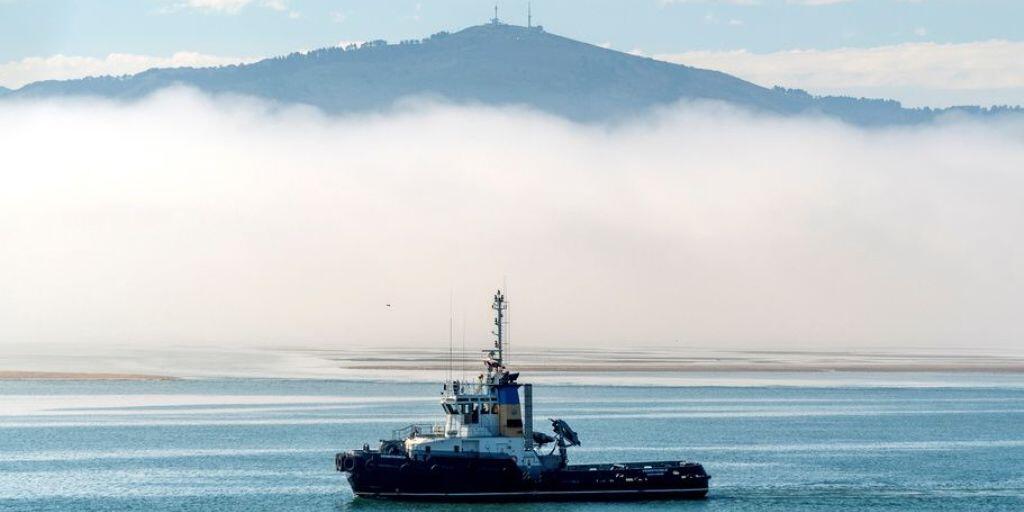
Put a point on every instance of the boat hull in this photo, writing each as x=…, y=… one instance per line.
x=448, y=479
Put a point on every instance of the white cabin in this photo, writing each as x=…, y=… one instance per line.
x=483, y=418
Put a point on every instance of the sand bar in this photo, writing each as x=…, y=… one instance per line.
x=694, y=361
x=33, y=375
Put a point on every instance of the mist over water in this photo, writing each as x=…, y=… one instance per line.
x=188, y=219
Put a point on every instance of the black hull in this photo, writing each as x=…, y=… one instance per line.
x=560, y=496
x=450, y=479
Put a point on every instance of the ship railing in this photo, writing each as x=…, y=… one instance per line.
x=418, y=429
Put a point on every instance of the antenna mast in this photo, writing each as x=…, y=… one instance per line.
x=451, y=327
x=529, y=16
x=462, y=353
x=499, y=308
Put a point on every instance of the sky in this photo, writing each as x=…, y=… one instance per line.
x=922, y=52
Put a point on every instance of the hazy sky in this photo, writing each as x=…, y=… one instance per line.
x=189, y=219
x=923, y=52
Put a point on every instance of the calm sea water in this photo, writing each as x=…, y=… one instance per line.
x=269, y=444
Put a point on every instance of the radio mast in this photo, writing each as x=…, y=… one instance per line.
x=499, y=308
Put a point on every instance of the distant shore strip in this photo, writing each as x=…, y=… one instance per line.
x=1011, y=367
x=33, y=375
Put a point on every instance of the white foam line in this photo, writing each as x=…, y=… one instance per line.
x=139, y=490
x=189, y=423
x=21, y=405
x=608, y=416
x=611, y=416
x=819, y=447
x=615, y=410
x=771, y=400
x=207, y=411
x=76, y=455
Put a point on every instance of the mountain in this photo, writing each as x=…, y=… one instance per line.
x=4, y=90
x=494, y=64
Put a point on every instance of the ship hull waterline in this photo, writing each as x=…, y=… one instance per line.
x=539, y=496
x=446, y=479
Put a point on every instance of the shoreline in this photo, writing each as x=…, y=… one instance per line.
x=680, y=361
x=37, y=375
x=728, y=368
x=403, y=364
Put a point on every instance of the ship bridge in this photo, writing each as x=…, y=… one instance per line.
x=484, y=416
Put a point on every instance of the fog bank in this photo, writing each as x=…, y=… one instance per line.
x=186, y=219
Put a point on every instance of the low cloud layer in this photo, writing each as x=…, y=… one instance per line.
x=189, y=219
x=918, y=74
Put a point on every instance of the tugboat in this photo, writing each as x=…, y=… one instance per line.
x=486, y=450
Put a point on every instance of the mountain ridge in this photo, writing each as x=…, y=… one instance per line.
x=495, y=64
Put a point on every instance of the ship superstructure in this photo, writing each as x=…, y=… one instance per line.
x=486, y=449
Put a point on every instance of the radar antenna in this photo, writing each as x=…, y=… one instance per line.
x=566, y=437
